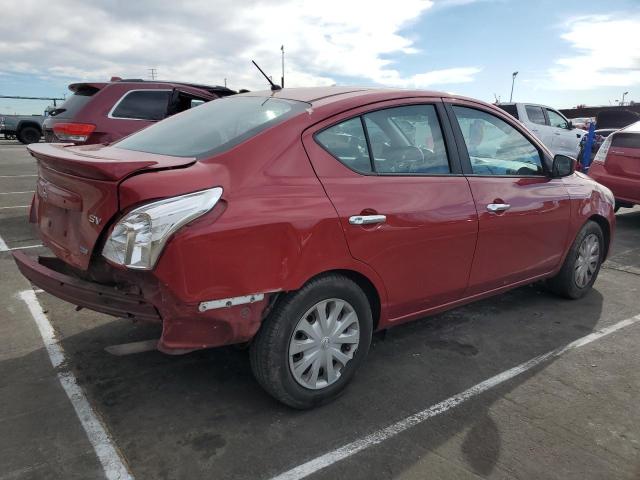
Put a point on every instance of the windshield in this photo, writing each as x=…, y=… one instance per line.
x=212, y=128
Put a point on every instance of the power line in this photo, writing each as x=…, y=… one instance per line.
x=153, y=73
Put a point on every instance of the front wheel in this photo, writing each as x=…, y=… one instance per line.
x=29, y=135
x=311, y=345
x=582, y=264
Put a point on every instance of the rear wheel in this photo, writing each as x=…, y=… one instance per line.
x=582, y=264
x=311, y=345
x=29, y=135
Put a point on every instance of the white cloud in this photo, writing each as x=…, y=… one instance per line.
x=207, y=41
x=608, y=53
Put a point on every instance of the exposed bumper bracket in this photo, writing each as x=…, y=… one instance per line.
x=230, y=302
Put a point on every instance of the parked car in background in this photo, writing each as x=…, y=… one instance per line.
x=582, y=122
x=104, y=112
x=302, y=220
x=26, y=128
x=549, y=125
x=617, y=165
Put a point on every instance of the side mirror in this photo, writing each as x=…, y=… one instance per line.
x=563, y=166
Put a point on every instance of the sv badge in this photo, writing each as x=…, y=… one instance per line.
x=95, y=219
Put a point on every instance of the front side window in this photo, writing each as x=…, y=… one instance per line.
x=495, y=147
x=143, y=105
x=535, y=114
x=556, y=120
x=213, y=127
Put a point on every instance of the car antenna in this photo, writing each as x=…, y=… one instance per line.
x=274, y=87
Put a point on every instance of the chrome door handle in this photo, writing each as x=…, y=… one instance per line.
x=498, y=207
x=367, y=219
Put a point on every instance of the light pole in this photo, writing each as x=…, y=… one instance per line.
x=622, y=101
x=282, y=80
x=513, y=80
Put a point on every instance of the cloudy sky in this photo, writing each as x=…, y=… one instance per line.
x=566, y=52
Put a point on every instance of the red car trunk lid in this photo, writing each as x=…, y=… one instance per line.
x=77, y=193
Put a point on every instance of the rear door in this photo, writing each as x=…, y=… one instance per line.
x=137, y=109
x=523, y=214
x=405, y=208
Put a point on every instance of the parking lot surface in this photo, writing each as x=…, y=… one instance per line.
x=71, y=409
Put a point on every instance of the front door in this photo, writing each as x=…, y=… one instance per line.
x=565, y=141
x=523, y=214
x=404, y=206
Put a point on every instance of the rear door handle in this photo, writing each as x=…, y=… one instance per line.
x=367, y=219
x=498, y=207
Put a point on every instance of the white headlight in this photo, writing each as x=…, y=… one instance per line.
x=139, y=237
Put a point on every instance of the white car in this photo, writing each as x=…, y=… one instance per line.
x=549, y=125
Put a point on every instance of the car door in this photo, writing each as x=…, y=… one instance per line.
x=405, y=208
x=537, y=123
x=137, y=109
x=565, y=140
x=523, y=213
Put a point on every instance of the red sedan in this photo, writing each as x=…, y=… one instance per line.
x=303, y=220
x=617, y=165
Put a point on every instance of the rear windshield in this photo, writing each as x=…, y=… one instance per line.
x=510, y=109
x=74, y=103
x=626, y=140
x=212, y=128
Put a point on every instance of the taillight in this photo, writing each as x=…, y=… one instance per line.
x=601, y=156
x=73, y=132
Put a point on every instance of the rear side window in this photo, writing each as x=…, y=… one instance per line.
x=626, y=140
x=213, y=127
x=510, y=109
x=142, y=105
x=74, y=103
x=346, y=141
x=535, y=114
x=402, y=140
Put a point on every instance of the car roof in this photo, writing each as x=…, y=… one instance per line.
x=325, y=95
x=633, y=128
x=217, y=89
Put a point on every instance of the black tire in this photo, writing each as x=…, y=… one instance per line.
x=269, y=350
x=29, y=135
x=565, y=283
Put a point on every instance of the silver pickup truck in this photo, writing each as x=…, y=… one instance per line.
x=26, y=128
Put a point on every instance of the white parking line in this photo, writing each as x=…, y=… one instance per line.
x=5, y=248
x=111, y=460
x=15, y=206
x=323, y=461
x=18, y=176
x=16, y=193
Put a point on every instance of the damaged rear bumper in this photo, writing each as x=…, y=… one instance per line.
x=47, y=273
x=185, y=326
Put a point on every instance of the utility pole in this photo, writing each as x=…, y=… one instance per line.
x=282, y=80
x=153, y=73
x=513, y=80
x=225, y=83
x=622, y=101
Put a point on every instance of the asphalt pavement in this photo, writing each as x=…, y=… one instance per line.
x=524, y=385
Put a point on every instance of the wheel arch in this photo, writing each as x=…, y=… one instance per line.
x=603, y=223
x=367, y=286
x=28, y=123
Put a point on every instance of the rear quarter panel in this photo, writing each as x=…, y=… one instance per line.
x=588, y=200
x=273, y=230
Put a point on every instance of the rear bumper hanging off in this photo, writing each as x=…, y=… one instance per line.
x=46, y=273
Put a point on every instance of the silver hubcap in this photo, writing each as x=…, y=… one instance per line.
x=587, y=261
x=324, y=341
